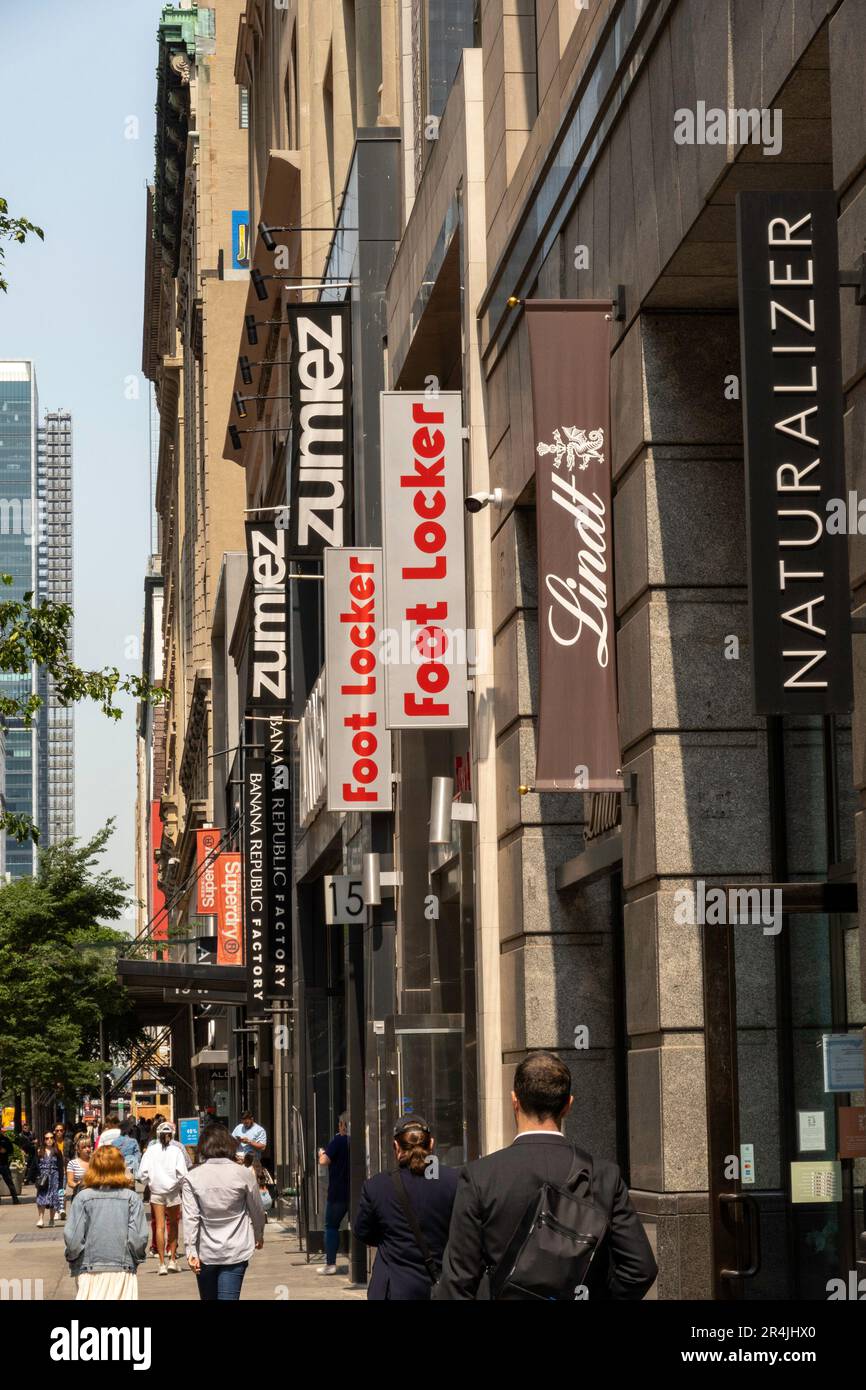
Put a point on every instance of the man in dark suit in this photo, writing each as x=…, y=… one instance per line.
x=401, y=1271
x=494, y=1194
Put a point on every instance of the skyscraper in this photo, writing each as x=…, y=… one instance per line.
x=56, y=743
x=36, y=551
x=19, y=533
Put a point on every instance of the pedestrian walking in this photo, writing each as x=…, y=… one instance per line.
x=62, y=1147
x=542, y=1218
x=106, y=1235
x=128, y=1146
x=7, y=1153
x=164, y=1168
x=406, y=1214
x=223, y=1217
x=336, y=1159
x=111, y=1130
x=49, y=1175
x=27, y=1142
x=251, y=1137
x=265, y=1184
x=77, y=1167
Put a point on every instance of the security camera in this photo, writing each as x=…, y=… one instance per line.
x=479, y=500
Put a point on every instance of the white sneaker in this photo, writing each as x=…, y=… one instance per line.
x=327, y=1269
x=162, y=1270
x=40, y=1222
x=172, y=1267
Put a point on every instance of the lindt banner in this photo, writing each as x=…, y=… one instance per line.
x=267, y=554
x=357, y=742
x=320, y=388
x=424, y=646
x=578, y=736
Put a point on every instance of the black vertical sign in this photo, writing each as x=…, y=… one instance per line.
x=792, y=423
x=255, y=827
x=320, y=387
x=278, y=862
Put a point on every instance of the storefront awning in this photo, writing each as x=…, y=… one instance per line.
x=147, y=979
x=281, y=207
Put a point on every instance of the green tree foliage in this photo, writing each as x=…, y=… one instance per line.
x=13, y=229
x=57, y=971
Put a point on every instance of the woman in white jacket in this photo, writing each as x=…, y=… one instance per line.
x=164, y=1169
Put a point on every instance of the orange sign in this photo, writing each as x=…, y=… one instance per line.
x=208, y=842
x=230, y=940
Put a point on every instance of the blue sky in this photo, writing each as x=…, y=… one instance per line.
x=72, y=73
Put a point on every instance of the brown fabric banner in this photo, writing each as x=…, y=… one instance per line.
x=578, y=737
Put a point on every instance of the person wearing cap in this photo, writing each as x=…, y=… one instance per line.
x=164, y=1168
x=406, y=1214
x=336, y=1159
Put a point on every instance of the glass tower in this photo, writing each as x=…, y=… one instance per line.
x=56, y=740
x=19, y=530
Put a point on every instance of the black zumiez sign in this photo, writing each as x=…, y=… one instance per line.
x=792, y=423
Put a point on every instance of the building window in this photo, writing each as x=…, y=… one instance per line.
x=244, y=108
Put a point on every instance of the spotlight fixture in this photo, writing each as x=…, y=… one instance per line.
x=266, y=232
x=250, y=325
x=246, y=367
x=235, y=436
x=240, y=407
x=259, y=285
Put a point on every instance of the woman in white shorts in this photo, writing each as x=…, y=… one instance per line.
x=164, y=1169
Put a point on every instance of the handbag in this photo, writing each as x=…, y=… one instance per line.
x=430, y=1263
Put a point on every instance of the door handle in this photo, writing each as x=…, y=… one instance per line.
x=752, y=1215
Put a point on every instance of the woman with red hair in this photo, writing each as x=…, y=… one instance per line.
x=106, y=1234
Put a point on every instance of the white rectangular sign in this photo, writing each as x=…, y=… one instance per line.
x=357, y=742
x=344, y=901
x=424, y=645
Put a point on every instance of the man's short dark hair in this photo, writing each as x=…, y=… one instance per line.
x=542, y=1084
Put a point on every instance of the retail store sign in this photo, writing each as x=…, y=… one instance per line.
x=320, y=388
x=207, y=849
x=357, y=742
x=230, y=939
x=843, y=1061
x=311, y=755
x=267, y=554
x=792, y=424
x=278, y=811
x=425, y=641
x=255, y=792
x=569, y=357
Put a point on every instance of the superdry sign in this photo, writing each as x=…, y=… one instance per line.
x=267, y=555
x=792, y=417
x=207, y=846
x=424, y=644
x=320, y=385
x=230, y=944
x=569, y=356
x=357, y=743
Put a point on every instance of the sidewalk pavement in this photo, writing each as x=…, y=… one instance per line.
x=279, y=1272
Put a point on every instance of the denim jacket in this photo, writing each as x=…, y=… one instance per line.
x=106, y=1230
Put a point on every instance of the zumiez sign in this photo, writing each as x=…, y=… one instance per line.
x=792, y=422
x=267, y=554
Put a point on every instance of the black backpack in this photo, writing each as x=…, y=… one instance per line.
x=550, y=1253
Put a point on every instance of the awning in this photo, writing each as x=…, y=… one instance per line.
x=281, y=207
x=147, y=979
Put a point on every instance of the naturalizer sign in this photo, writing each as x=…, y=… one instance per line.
x=792, y=416
x=267, y=553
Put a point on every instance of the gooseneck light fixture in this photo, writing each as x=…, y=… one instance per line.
x=266, y=232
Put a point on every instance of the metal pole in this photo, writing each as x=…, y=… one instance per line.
x=101, y=1075
x=355, y=1030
